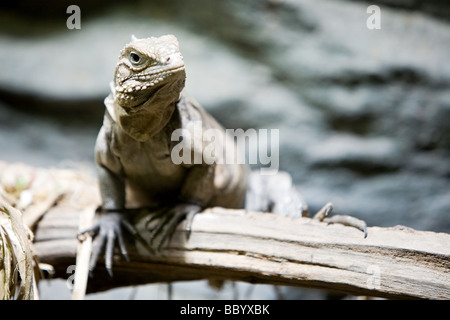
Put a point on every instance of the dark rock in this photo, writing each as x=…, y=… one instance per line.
x=363, y=114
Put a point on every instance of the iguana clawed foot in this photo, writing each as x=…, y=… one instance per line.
x=162, y=224
x=106, y=231
x=322, y=215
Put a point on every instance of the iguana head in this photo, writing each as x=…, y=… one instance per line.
x=149, y=69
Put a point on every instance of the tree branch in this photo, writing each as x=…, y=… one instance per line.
x=264, y=248
x=233, y=245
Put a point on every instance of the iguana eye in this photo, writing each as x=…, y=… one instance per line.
x=135, y=58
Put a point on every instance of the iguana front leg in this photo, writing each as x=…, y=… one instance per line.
x=111, y=220
x=197, y=191
x=162, y=224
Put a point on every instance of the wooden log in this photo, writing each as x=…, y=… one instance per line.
x=263, y=248
x=224, y=244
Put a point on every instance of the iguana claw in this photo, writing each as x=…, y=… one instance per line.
x=322, y=215
x=167, y=221
x=106, y=231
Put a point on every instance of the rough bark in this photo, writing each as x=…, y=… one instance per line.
x=262, y=248
x=224, y=244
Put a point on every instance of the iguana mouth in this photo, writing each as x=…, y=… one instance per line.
x=147, y=80
x=133, y=91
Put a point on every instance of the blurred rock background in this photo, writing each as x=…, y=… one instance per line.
x=364, y=115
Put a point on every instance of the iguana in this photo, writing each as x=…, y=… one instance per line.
x=134, y=146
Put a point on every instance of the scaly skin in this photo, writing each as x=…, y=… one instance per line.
x=134, y=145
x=133, y=156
